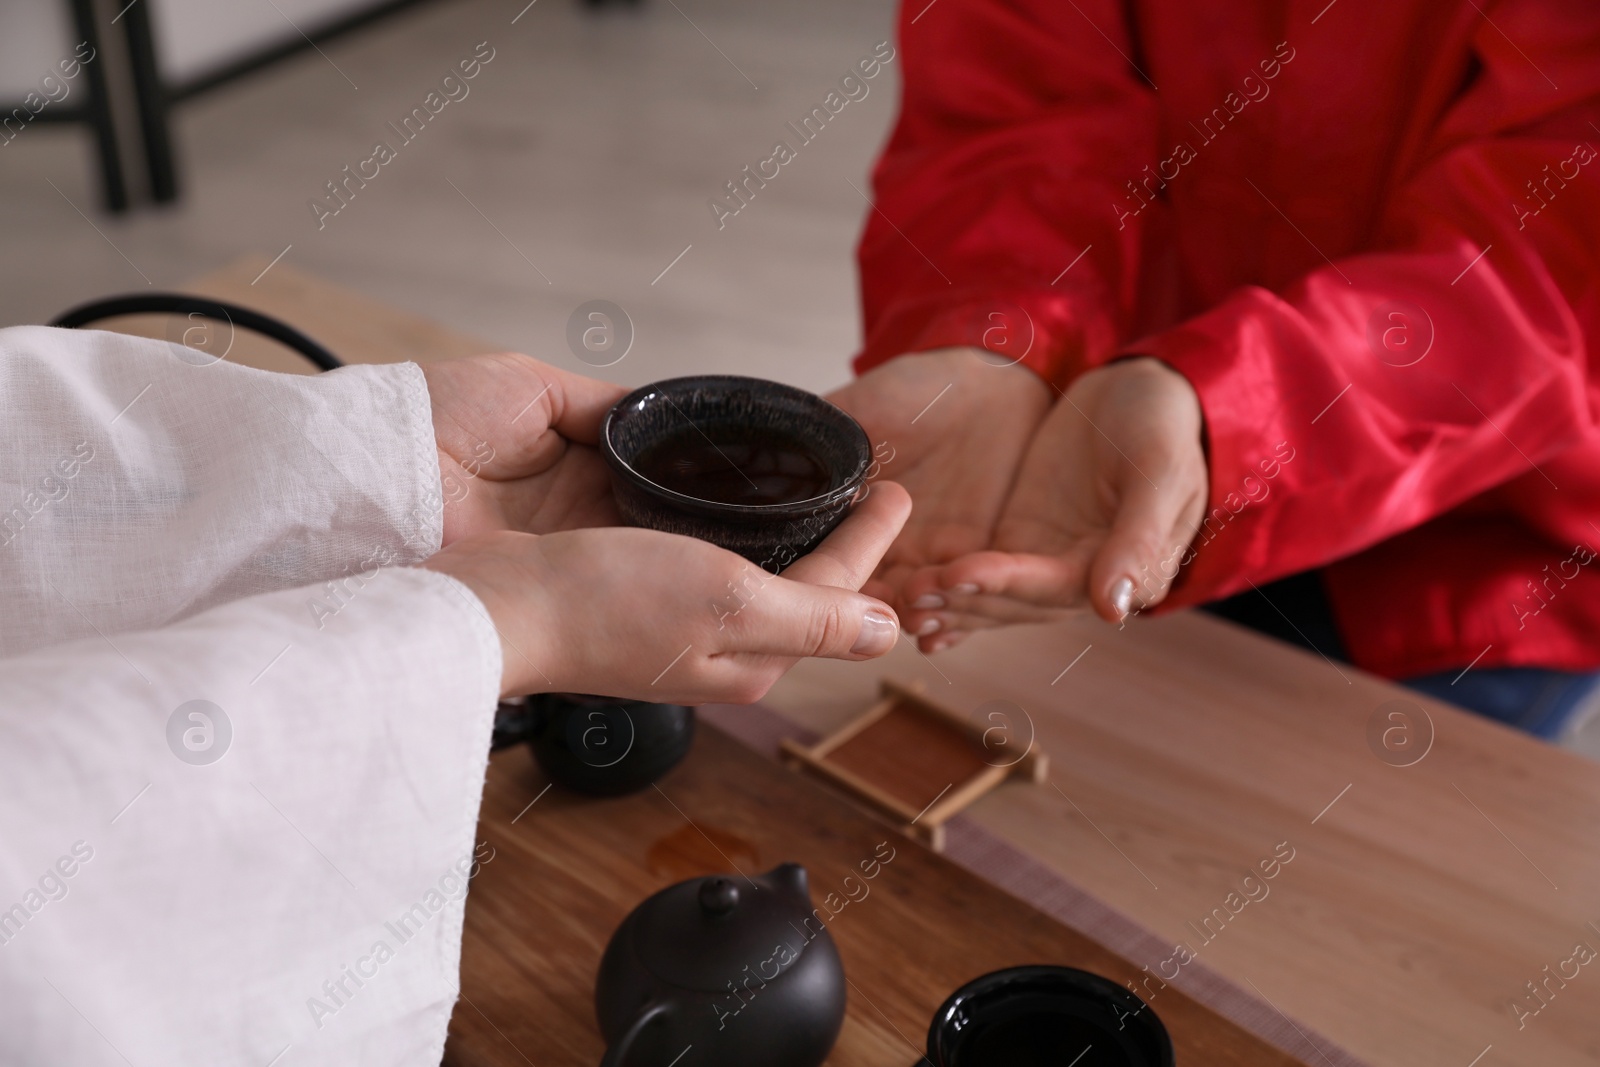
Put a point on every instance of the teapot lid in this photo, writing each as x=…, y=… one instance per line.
x=707, y=932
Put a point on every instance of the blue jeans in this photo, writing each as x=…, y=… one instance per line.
x=1537, y=700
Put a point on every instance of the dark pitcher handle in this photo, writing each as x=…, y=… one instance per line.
x=617, y=1055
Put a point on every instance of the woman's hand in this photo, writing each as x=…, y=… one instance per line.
x=1108, y=498
x=515, y=441
x=950, y=425
x=639, y=614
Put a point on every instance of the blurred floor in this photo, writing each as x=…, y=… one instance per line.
x=592, y=142
x=578, y=167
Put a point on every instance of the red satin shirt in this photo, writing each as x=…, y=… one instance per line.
x=1367, y=231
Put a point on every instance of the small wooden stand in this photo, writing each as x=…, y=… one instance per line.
x=915, y=761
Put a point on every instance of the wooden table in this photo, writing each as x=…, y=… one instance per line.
x=1421, y=899
x=567, y=871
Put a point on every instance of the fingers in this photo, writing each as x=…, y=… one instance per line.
x=534, y=399
x=878, y=589
x=1136, y=564
x=978, y=612
x=988, y=580
x=942, y=642
x=794, y=620
x=492, y=413
x=850, y=554
x=967, y=614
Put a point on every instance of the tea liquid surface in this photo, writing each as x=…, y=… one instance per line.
x=735, y=465
x=1043, y=1039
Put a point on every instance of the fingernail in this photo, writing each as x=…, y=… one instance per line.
x=1122, y=596
x=965, y=588
x=878, y=634
x=929, y=626
x=928, y=601
x=941, y=644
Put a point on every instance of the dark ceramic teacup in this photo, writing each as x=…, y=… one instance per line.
x=767, y=441
x=1044, y=1016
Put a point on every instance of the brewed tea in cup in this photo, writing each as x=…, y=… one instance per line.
x=757, y=467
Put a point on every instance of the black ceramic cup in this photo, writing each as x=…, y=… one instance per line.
x=724, y=408
x=604, y=747
x=1046, y=1017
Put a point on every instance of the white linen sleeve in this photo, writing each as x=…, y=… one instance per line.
x=240, y=834
x=141, y=482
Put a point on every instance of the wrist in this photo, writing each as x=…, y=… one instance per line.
x=1150, y=375
x=1176, y=384
x=453, y=492
x=1009, y=389
x=483, y=564
x=974, y=361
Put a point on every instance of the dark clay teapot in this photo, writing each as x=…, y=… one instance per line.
x=722, y=970
x=605, y=747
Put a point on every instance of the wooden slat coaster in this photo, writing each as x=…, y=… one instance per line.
x=914, y=760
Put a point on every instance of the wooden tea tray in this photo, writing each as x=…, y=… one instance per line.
x=918, y=762
x=568, y=869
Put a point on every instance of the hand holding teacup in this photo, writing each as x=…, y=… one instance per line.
x=659, y=616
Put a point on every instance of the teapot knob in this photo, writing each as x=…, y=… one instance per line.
x=791, y=877
x=718, y=896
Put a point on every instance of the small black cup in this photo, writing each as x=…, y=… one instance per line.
x=604, y=747
x=771, y=535
x=1044, y=1016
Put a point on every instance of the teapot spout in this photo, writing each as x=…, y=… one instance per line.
x=791, y=877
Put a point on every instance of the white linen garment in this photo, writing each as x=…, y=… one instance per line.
x=241, y=757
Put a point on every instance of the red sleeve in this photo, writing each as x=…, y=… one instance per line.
x=1324, y=436
x=994, y=223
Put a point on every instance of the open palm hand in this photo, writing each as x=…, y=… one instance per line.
x=951, y=427
x=1106, y=500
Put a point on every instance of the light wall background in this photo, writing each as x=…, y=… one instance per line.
x=33, y=35
x=196, y=36
x=193, y=37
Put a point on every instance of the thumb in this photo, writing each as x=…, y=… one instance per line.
x=578, y=404
x=849, y=555
x=795, y=620
x=537, y=399
x=813, y=609
x=1140, y=557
